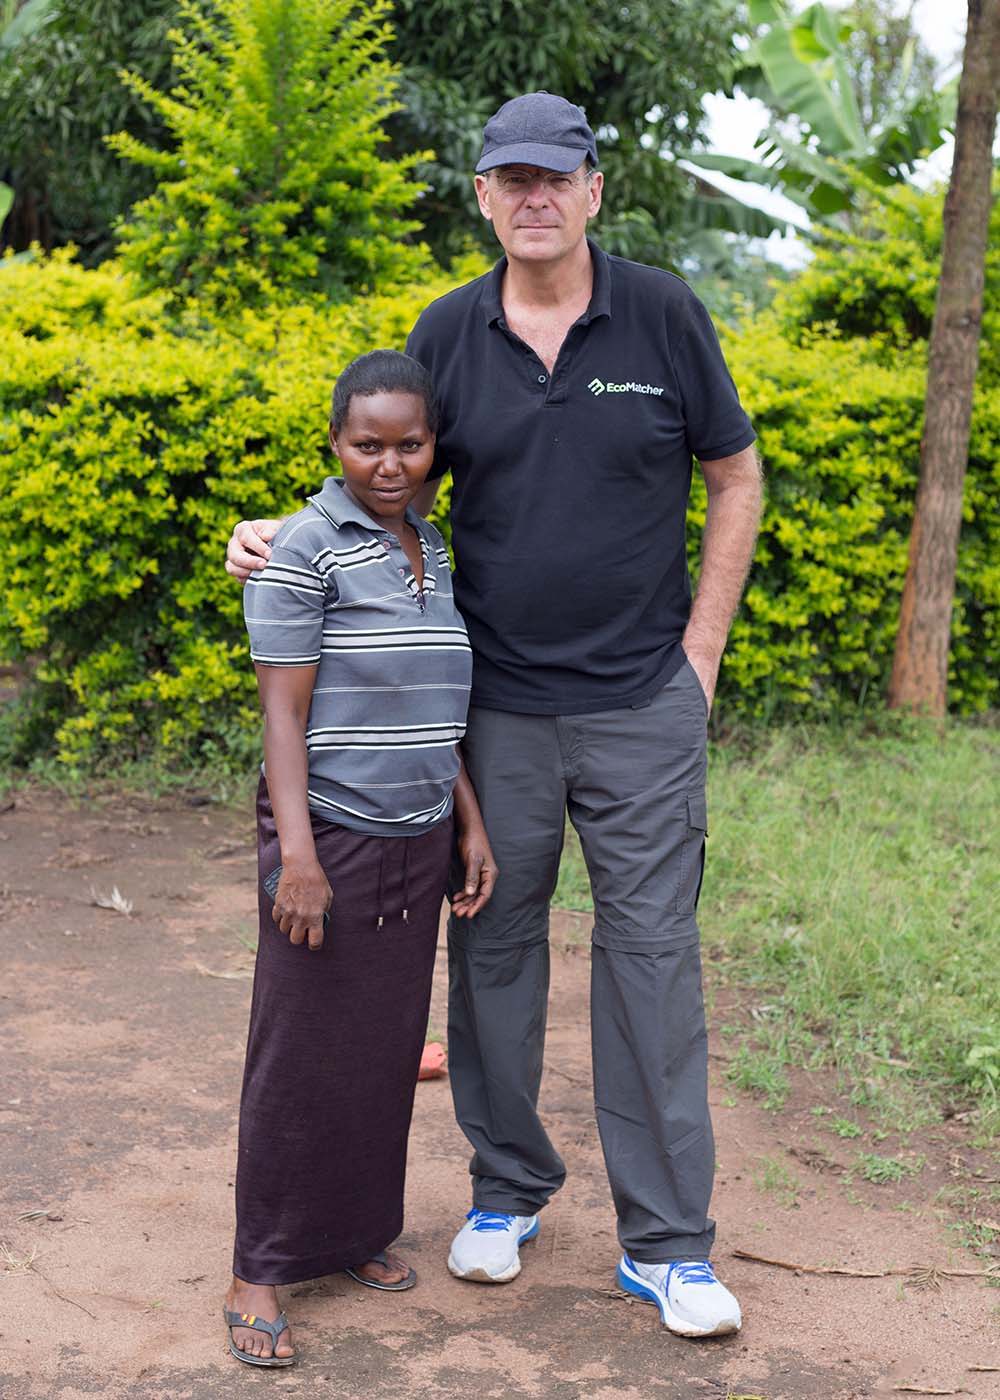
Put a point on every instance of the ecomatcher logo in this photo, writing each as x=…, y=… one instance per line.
x=597, y=386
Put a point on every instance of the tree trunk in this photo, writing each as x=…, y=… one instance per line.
x=920, y=665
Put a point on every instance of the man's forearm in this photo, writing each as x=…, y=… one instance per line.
x=735, y=493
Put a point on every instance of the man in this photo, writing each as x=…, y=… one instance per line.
x=575, y=390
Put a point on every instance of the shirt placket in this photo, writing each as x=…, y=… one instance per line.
x=397, y=558
x=553, y=385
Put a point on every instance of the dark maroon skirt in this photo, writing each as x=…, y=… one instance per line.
x=333, y=1053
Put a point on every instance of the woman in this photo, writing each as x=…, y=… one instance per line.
x=363, y=669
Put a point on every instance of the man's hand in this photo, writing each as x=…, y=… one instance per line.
x=480, y=872
x=248, y=547
x=301, y=901
x=706, y=668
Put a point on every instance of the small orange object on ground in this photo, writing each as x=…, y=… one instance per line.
x=433, y=1062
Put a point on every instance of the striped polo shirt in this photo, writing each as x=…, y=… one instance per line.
x=395, y=667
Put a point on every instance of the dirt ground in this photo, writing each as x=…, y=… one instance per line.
x=121, y=1039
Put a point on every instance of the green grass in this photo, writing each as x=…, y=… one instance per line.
x=844, y=1128
x=852, y=883
x=761, y=1073
x=883, y=1170
x=774, y=1178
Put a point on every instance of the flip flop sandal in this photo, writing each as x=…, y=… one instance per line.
x=399, y=1287
x=257, y=1324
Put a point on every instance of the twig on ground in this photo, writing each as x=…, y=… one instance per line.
x=982, y=1368
x=227, y=976
x=927, y=1390
x=115, y=901
x=808, y=1268
x=72, y=1301
x=919, y=1275
x=573, y=1079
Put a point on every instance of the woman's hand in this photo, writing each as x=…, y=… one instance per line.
x=300, y=905
x=480, y=872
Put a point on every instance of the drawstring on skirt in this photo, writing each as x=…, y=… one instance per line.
x=380, y=902
x=406, y=879
x=381, y=896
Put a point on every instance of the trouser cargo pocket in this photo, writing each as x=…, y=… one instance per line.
x=692, y=853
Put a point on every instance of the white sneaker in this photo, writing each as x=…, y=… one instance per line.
x=691, y=1300
x=485, y=1249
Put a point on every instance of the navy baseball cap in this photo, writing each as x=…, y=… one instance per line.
x=538, y=128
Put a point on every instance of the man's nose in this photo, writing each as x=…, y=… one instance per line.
x=390, y=463
x=538, y=190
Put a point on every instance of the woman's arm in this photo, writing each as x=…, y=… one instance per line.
x=304, y=892
x=474, y=847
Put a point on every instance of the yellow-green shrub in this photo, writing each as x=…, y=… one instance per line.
x=130, y=441
x=839, y=426
x=834, y=377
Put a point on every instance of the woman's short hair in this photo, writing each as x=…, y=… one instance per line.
x=383, y=372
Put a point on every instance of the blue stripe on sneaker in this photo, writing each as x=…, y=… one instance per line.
x=631, y=1282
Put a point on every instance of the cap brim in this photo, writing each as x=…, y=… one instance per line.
x=564, y=159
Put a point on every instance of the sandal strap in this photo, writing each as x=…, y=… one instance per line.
x=257, y=1324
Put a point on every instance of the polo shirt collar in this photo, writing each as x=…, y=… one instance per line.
x=600, y=297
x=334, y=502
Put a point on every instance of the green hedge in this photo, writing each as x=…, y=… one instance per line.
x=129, y=443
x=839, y=433
x=130, y=439
x=834, y=376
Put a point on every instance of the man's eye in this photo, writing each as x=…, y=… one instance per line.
x=367, y=446
x=412, y=446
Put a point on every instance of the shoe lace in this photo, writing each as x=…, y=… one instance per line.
x=693, y=1271
x=489, y=1220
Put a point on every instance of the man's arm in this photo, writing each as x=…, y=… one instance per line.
x=423, y=501
x=248, y=547
x=735, y=493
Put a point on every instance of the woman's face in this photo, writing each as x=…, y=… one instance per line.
x=386, y=450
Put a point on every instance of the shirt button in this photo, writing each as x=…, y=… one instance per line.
x=542, y=378
x=402, y=573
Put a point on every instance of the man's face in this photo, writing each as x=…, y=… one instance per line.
x=539, y=215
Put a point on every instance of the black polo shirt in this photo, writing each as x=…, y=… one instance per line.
x=570, y=491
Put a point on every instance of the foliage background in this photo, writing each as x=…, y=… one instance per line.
x=127, y=439
x=131, y=439
x=60, y=94
x=278, y=187
x=147, y=403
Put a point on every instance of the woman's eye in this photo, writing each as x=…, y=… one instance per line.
x=412, y=445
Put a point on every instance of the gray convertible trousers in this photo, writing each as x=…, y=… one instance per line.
x=633, y=782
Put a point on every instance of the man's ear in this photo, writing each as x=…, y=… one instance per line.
x=333, y=441
x=483, y=195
